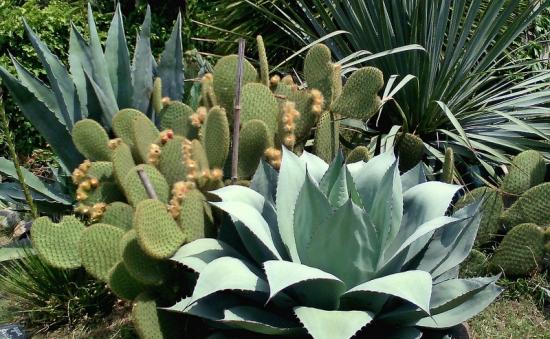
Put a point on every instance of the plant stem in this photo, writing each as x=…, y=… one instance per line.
x=147, y=184
x=237, y=114
x=11, y=147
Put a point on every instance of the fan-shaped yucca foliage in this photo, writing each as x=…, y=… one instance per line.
x=454, y=92
x=333, y=251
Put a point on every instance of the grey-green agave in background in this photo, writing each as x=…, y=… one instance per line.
x=335, y=251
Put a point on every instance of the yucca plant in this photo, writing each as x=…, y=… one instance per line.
x=357, y=249
x=455, y=92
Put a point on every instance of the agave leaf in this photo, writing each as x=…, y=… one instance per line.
x=405, y=333
x=413, y=177
x=108, y=105
x=309, y=286
x=353, y=263
x=44, y=120
x=199, y=253
x=40, y=90
x=251, y=226
x=257, y=320
x=459, y=313
x=452, y=244
x=142, y=69
x=241, y=194
x=316, y=167
x=228, y=274
x=332, y=174
x=291, y=176
x=322, y=324
x=312, y=208
x=117, y=58
x=79, y=59
x=398, y=285
x=339, y=193
x=265, y=181
x=59, y=78
x=170, y=69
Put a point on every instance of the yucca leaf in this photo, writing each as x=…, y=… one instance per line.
x=170, y=68
x=309, y=286
x=397, y=285
x=353, y=263
x=117, y=58
x=59, y=78
x=291, y=176
x=142, y=69
x=252, y=228
x=229, y=274
x=322, y=324
x=199, y=253
x=44, y=120
x=312, y=208
x=8, y=168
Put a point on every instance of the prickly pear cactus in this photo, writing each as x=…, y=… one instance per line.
x=410, y=149
x=527, y=170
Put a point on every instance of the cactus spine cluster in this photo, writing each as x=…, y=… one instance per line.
x=520, y=209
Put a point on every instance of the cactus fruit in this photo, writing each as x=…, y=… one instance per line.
x=287, y=125
x=215, y=137
x=254, y=140
x=157, y=232
x=143, y=268
x=91, y=140
x=225, y=76
x=264, y=65
x=410, y=149
x=533, y=206
x=58, y=244
x=177, y=116
x=448, y=166
x=359, y=97
x=133, y=186
x=492, y=209
x=99, y=250
x=156, y=96
x=527, y=170
x=359, y=153
x=326, y=137
x=520, y=252
x=118, y=214
x=123, y=284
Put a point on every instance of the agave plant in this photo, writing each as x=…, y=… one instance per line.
x=455, y=92
x=355, y=249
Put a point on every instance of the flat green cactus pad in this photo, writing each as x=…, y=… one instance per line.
x=532, y=207
x=258, y=103
x=520, y=252
x=144, y=133
x=134, y=189
x=99, y=249
x=123, y=162
x=215, y=137
x=140, y=266
x=492, y=209
x=157, y=232
x=448, y=171
x=359, y=153
x=153, y=323
x=410, y=149
x=118, y=214
x=475, y=265
x=193, y=220
x=254, y=140
x=91, y=140
x=176, y=116
x=527, y=170
x=327, y=137
x=123, y=284
x=320, y=73
x=122, y=124
x=171, y=159
x=58, y=244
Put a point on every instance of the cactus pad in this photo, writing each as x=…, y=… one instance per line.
x=520, y=252
x=99, y=249
x=153, y=323
x=448, y=166
x=122, y=124
x=58, y=244
x=320, y=73
x=144, y=133
x=359, y=97
x=492, y=209
x=359, y=153
x=134, y=189
x=199, y=155
x=123, y=162
x=527, y=170
x=264, y=65
x=326, y=137
x=225, y=79
x=215, y=137
x=140, y=266
x=118, y=214
x=91, y=140
x=192, y=219
x=156, y=96
x=254, y=140
x=123, y=284
x=176, y=116
x=171, y=158
x=475, y=265
x=157, y=233
x=259, y=103
x=532, y=207
x=410, y=149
